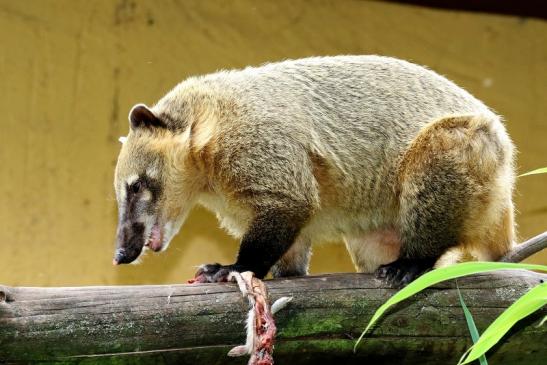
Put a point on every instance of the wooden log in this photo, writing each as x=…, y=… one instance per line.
x=198, y=324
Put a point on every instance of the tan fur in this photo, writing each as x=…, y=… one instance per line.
x=480, y=150
x=345, y=145
x=450, y=135
x=492, y=244
x=452, y=256
x=328, y=189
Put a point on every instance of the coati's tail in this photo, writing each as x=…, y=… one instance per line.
x=456, y=180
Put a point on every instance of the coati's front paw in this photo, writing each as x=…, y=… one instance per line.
x=403, y=271
x=214, y=273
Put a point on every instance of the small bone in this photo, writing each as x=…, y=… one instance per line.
x=239, y=351
x=280, y=304
x=241, y=283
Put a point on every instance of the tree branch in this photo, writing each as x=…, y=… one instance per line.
x=199, y=324
x=526, y=249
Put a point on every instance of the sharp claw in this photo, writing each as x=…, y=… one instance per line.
x=381, y=273
x=407, y=278
x=402, y=272
x=212, y=273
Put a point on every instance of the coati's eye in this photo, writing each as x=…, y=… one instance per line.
x=136, y=187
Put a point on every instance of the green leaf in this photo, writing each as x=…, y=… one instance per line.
x=471, y=325
x=543, y=170
x=442, y=274
x=530, y=302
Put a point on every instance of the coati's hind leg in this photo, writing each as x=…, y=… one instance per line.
x=431, y=217
x=455, y=185
x=295, y=261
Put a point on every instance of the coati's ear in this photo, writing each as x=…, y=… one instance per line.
x=142, y=117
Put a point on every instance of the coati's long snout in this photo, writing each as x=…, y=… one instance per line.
x=129, y=243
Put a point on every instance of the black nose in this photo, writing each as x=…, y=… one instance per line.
x=130, y=243
x=126, y=256
x=120, y=257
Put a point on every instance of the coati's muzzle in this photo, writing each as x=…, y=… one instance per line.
x=131, y=241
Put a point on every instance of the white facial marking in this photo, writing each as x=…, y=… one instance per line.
x=122, y=139
x=123, y=194
x=146, y=195
x=131, y=179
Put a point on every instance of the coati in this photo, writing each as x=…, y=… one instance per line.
x=410, y=170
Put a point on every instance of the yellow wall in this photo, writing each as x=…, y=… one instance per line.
x=70, y=71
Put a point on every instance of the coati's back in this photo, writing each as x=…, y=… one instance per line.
x=354, y=114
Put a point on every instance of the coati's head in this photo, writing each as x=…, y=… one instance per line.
x=155, y=185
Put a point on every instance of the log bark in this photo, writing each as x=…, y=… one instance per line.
x=199, y=324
